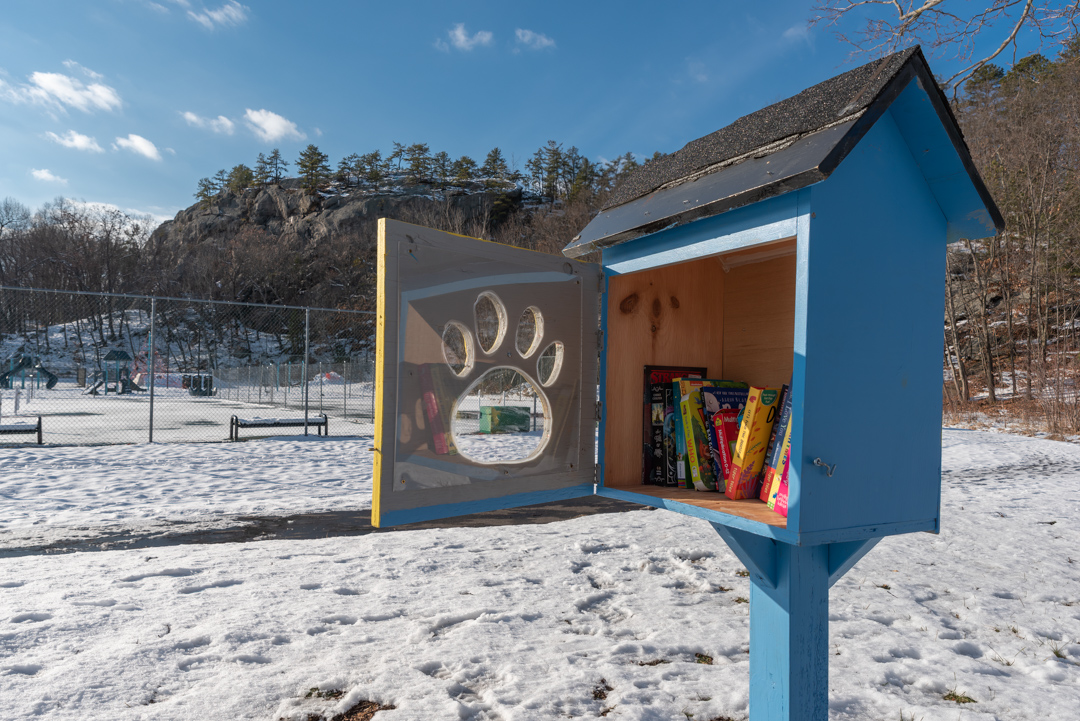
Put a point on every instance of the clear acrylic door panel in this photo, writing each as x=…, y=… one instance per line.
x=486, y=378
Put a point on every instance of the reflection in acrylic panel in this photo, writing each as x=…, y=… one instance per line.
x=503, y=417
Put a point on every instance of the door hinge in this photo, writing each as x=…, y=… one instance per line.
x=599, y=410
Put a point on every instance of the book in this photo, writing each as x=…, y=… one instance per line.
x=658, y=449
x=770, y=486
x=682, y=465
x=723, y=396
x=437, y=403
x=698, y=458
x=726, y=432
x=772, y=455
x=758, y=419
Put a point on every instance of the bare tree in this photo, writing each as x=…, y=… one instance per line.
x=948, y=27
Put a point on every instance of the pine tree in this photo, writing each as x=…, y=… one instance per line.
x=240, y=177
x=418, y=156
x=220, y=180
x=398, y=154
x=440, y=167
x=464, y=169
x=205, y=191
x=494, y=167
x=583, y=183
x=372, y=166
x=534, y=166
x=262, y=172
x=314, y=168
x=346, y=170
x=276, y=165
x=553, y=169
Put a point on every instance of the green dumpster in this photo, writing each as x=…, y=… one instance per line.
x=504, y=419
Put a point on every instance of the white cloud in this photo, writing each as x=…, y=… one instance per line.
x=533, y=40
x=138, y=144
x=76, y=141
x=220, y=124
x=72, y=65
x=462, y=40
x=57, y=91
x=231, y=13
x=45, y=176
x=697, y=71
x=797, y=34
x=269, y=127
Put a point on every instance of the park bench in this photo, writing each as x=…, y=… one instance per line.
x=319, y=422
x=28, y=428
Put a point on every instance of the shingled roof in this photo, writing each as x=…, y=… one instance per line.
x=785, y=146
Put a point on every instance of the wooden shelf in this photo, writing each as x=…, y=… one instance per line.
x=749, y=508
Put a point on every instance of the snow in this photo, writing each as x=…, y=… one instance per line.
x=508, y=622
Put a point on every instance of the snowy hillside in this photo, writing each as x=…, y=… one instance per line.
x=640, y=615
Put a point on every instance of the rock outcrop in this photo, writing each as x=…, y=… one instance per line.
x=286, y=211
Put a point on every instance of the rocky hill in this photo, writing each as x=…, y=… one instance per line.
x=286, y=211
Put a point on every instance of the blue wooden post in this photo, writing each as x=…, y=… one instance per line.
x=789, y=638
x=789, y=621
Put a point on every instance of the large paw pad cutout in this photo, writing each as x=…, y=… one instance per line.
x=504, y=414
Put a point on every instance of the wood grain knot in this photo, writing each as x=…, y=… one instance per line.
x=629, y=303
x=674, y=302
x=656, y=308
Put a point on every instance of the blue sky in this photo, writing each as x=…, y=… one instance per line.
x=130, y=102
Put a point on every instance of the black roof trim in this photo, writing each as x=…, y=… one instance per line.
x=677, y=201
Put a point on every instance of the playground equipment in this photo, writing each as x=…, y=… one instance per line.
x=198, y=384
x=22, y=363
x=118, y=381
x=746, y=252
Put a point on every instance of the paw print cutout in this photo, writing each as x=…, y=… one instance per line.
x=507, y=365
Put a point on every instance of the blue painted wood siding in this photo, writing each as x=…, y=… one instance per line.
x=868, y=374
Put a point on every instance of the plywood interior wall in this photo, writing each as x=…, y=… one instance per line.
x=734, y=315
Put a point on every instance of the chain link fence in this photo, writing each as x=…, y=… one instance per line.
x=114, y=368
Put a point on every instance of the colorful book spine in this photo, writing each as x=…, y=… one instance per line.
x=697, y=440
x=775, y=474
x=772, y=456
x=726, y=431
x=724, y=396
x=682, y=464
x=758, y=419
x=658, y=447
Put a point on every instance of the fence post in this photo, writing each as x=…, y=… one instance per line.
x=307, y=340
x=153, y=364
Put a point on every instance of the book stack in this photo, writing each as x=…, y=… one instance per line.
x=716, y=435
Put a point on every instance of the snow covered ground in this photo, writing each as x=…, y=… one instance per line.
x=603, y=614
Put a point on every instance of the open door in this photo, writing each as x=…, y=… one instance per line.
x=486, y=376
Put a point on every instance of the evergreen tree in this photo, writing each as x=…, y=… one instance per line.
x=205, y=191
x=314, y=168
x=240, y=177
x=372, y=165
x=583, y=183
x=440, y=167
x=346, y=170
x=464, y=169
x=221, y=180
x=494, y=167
x=418, y=155
x=534, y=166
x=276, y=165
x=262, y=171
x=398, y=154
x=553, y=169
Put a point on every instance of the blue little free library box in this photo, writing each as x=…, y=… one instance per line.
x=804, y=243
